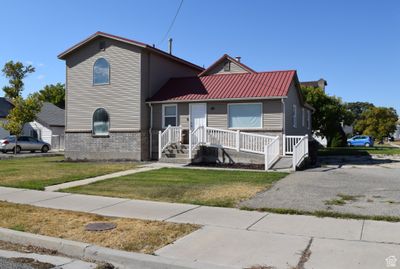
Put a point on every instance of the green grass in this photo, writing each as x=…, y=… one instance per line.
x=194, y=186
x=343, y=198
x=359, y=151
x=39, y=172
x=323, y=214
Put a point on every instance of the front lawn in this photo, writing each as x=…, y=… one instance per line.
x=202, y=187
x=130, y=234
x=359, y=151
x=39, y=172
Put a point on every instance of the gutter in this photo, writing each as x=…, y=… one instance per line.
x=219, y=99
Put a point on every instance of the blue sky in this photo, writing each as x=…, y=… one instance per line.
x=354, y=45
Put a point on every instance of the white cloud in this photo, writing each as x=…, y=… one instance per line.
x=41, y=77
x=40, y=64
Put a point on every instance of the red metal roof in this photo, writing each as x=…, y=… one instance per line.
x=226, y=86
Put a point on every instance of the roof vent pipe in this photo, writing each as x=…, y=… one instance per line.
x=238, y=58
x=170, y=46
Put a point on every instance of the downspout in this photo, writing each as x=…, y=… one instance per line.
x=151, y=131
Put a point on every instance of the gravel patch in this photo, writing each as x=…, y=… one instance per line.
x=375, y=186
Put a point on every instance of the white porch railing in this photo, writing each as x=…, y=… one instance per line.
x=255, y=143
x=240, y=141
x=300, y=151
x=271, y=153
x=172, y=134
x=289, y=141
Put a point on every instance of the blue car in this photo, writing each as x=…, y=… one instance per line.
x=360, y=141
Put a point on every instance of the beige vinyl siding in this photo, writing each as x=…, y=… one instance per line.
x=294, y=99
x=121, y=98
x=219, y=69
x=217, y=114
x=158, y=70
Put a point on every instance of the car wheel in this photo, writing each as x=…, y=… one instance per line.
x=367, y=145
x=45, y=149
x=4, y=151
x=18, y=149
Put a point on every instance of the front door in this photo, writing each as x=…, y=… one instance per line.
x=198, y=115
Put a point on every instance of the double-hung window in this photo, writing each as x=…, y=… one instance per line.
x=169, y=114
x=245, y=116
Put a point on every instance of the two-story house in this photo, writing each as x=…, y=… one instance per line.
x=129, y=100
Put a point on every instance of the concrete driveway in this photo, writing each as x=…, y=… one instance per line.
x=358, y=187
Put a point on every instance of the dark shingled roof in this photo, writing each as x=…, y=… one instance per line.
x=51, y=115
x=5, y=107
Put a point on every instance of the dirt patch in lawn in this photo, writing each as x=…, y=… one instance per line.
x=130, y=234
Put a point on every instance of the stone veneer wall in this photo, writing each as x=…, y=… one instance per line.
x=115, y=146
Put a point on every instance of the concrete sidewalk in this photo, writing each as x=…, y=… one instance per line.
x=237, y=238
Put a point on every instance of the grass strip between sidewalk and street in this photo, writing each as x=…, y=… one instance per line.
x=39, y=172
x=129, y=235
x=181, y=185
x=324, y=213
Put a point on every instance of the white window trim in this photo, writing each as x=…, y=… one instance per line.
x=109, y=124
x=248, y=128
x=303, y=117
x=294, y=116
x=163, y=114
x=109, y=73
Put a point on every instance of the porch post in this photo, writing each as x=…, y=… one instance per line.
x=159, y=145
x=266, y=157
x=190, y=144
x=284, y=144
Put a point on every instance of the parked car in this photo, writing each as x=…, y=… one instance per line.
x=24, y=143
x=360, y=141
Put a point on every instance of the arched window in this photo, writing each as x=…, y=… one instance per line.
x=101, y=122
x=101, y=72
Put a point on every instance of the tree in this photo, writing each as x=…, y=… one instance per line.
x=378, y=122
x=15, y=72
x=357, y=108
x=24, y=110
x=330, y=113
x=54, y=94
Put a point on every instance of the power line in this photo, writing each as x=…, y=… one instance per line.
x=172, y=24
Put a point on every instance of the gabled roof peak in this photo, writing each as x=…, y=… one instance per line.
x=145, y=46
x=224, y=58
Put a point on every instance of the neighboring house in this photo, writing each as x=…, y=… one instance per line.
x=49, y=124
x=121, y=93
x=397, y=132
x=321, y=83
x=5, y=107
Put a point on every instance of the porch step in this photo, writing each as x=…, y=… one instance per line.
x=284, y=162
x=175, y=160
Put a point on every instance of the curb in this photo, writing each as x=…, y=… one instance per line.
x=79, y=250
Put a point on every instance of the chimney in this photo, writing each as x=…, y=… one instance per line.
x=238, y=58
x=170, y=46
